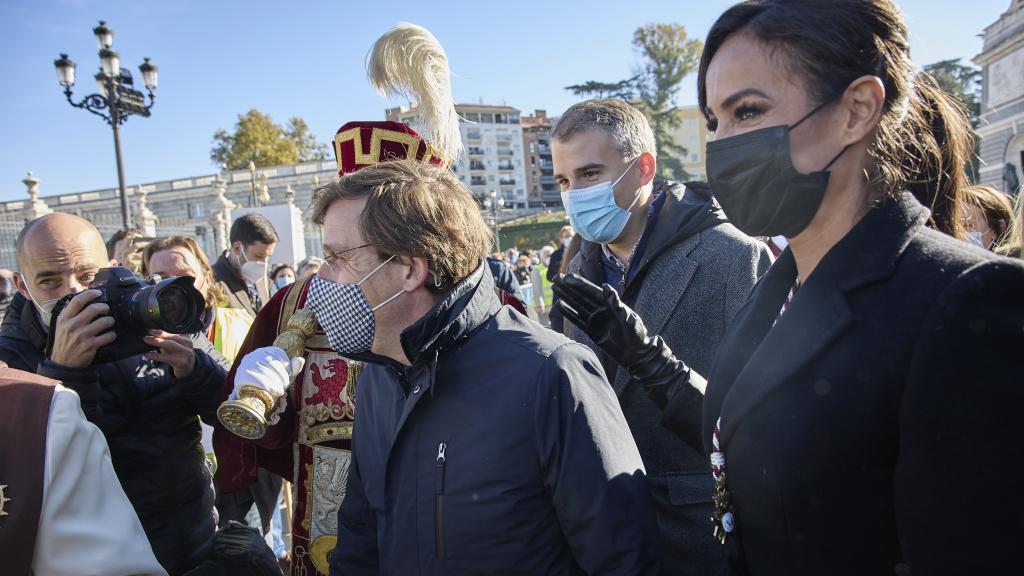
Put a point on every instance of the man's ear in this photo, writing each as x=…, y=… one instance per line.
x=19, y=283
x=648, y=168
x=236, y=246
x=418, y=274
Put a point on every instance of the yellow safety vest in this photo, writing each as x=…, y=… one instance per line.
x=231, y=326
x=546, y=293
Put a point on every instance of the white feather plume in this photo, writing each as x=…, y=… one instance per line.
x=409, y=62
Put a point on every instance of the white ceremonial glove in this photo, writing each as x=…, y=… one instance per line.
x=270, y=369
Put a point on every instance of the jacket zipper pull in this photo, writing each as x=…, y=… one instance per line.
x=439, y=503
x=440, y=467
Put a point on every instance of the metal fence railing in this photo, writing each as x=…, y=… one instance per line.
x=9, y=230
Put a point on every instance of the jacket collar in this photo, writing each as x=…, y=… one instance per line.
x=688, y=210
x=227, y=272
x=458, y=313
x=769, y=356
x=871, y=250
x=22, y=323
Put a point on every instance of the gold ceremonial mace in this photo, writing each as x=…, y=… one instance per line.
x=247, y=417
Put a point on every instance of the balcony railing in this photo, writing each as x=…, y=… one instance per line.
x=475, y=151
x=504, y=166
x=504, y=151
x=476, y=165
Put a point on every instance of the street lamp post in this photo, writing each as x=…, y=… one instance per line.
x=117, y=98
x=260, y=193
x=495, y=203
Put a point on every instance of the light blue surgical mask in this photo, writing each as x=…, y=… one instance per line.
x=976, y=238
x=593, y=211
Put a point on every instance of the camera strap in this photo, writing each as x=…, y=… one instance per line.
x=57, y=309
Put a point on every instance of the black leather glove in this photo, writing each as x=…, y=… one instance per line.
x=621, y=333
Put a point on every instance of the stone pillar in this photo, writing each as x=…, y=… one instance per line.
x=36, y=207
x=313, y=248
x=220, y=216
x=144, y=217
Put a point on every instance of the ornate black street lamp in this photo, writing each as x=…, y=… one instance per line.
x=117, y=98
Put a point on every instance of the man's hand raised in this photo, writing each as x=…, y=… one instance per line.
x=81, y=329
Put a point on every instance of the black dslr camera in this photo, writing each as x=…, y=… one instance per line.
x=171, y=304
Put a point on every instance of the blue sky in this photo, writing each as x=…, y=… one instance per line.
x=218, y=59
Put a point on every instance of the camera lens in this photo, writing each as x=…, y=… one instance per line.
x=174, y=305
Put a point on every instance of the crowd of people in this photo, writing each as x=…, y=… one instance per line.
x=808, y=364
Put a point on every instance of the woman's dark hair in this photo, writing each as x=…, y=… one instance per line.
x=924, y=138
x=278, y=268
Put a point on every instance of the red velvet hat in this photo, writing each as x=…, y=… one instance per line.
x=407, y=61
x=361, y=144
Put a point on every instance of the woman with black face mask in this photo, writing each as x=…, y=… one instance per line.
x=862, y=415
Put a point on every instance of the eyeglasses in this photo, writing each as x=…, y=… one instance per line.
x=331, y=260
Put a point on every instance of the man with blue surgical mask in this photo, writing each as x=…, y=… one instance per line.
x=667, y=251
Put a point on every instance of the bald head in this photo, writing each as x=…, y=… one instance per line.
x=59, y=227
x=58, y=254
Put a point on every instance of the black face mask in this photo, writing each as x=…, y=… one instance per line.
x=753, y=178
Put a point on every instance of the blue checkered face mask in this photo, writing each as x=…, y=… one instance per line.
x=344, y=314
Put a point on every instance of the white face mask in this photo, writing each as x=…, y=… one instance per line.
x=45, y=309
x=567, y=241
x=252, y=271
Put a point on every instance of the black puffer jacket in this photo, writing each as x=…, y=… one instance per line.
x=500, y=450
x=151, y=422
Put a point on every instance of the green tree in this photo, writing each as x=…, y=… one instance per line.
x=964, y=83
x=257, y=138
x=961, y=81
x=623, y=89
x=308, y=146
x=667, y=56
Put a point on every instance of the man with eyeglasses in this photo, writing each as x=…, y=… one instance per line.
x=308, y=438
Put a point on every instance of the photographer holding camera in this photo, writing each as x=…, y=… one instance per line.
x=146, y=404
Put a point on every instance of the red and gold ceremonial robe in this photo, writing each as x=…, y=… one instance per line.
x=310, y=445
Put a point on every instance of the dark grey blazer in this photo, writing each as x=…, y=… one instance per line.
x=696, y=273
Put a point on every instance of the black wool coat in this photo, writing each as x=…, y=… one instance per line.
x=876, y=428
